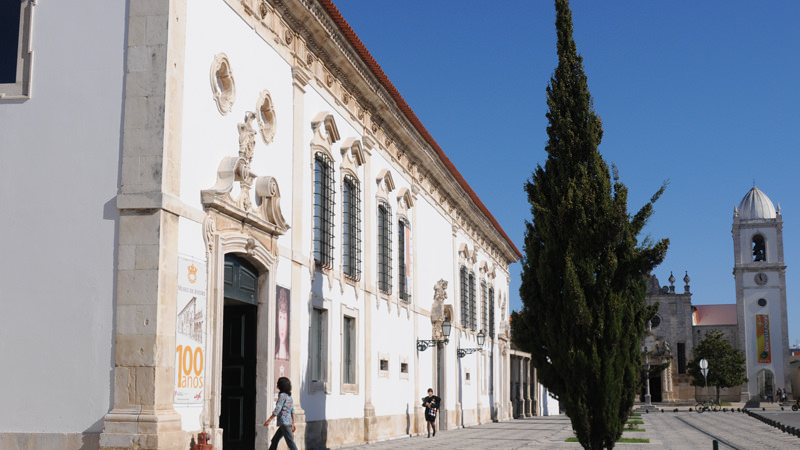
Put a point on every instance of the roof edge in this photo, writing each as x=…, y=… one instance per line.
x=376, y=70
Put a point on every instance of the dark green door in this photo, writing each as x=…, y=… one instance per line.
x=237, y=416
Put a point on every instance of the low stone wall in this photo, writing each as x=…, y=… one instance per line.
x=346, y=432
x=341, y=432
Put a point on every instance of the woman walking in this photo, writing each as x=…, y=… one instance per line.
x=284, y=411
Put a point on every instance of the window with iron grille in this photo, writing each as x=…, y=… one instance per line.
x=351, y=228
x=491, y=312
x=404, y=259
x=472, y=306
x=484, y=315
x=384, y=248
x=464, y=297
x=323, y=210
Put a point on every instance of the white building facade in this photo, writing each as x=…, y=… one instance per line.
x=240, y=194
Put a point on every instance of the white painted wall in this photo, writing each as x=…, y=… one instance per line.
x=59, y=174
x=548, y=406
x=208, y=136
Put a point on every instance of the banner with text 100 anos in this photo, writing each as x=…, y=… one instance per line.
x=190, y=331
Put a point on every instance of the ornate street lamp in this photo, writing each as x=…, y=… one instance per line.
x=423, y=344
x=647, y=403
x=462, y=352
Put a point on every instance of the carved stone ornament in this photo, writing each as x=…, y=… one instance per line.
x=352, y=152
x=324, y=120
x=209, y=228
x=267, y=215
x=385, y=182
x=439, y=296
x=222, y=84
x=405, y=200
x=247, y=137
x=264, y=9
x=265, y=112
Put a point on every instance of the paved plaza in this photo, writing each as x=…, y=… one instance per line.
x=668, y=430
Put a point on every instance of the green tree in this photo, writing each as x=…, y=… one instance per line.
x=584, y=272
x=727, y=366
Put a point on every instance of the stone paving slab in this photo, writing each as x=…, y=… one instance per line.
x=667, y=430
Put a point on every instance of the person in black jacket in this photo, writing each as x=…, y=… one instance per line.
x=431, y=404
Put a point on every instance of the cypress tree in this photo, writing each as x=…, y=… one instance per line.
x=584, y=272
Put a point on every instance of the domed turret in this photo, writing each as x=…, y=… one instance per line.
x=756, y=206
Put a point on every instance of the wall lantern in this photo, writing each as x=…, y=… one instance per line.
x=462, y=352
x=423, y=344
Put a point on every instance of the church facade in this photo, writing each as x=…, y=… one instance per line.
x=229, y=192
x=756, y=324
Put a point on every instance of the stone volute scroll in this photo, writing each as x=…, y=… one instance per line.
x=437, y=310
x=266, y=215
x=268, y=196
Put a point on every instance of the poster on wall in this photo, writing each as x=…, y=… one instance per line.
x=190, y=332
x=282, y=354
x=762, y=338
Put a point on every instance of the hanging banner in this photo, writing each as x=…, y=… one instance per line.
x=282, y=353
x=762, y=339
x=190, y=332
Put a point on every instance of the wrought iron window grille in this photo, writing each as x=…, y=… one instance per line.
x=324, y=192
x=351, y=228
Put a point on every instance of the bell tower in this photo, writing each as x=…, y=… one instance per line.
x=760, y=275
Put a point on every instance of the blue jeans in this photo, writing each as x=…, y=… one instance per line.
x=284, y=431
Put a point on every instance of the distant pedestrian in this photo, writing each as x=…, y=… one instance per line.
x=779, y=395
x=284, y=411
x=431, y=404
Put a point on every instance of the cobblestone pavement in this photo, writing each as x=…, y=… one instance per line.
x=667, y=430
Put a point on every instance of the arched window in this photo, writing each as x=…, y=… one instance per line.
x=384, y=248
x=351, y=228
x=323, y=210
x=404, y=259
x=759, y=249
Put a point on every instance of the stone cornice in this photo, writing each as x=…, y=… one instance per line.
x=159, y=200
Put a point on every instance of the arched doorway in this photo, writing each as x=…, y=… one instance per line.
x=766, y=385
x=239, y=354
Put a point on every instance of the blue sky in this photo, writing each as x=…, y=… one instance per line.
x=703, y=94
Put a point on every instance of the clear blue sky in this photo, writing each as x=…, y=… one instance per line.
x=704, y=94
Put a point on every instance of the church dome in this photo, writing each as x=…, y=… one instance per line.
x=755, y=206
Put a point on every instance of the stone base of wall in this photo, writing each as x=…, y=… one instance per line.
x=50, y=441
x=346, y=432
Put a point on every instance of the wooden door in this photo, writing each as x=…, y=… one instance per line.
x=238, y=398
